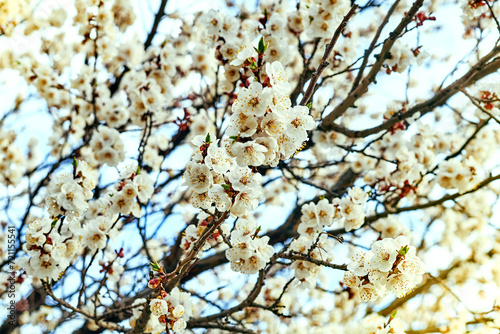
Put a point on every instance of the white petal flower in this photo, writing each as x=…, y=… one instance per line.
x=382, y=255
x=144, y=186
x=273, y=124
x=249, y=153
x=219, y=196
x=179, y=326
x=243, y=178
x=245, y=53
x=254, y=100
x=241, y=124
x=245, y=202
x=278, y=78
x=218, y=159
x=198, y=177
x=298, y=122
x=212, y=21
x=158, y=307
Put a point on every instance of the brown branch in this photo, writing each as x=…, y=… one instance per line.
x=306, y=72
x=483, y=68
x=159, y=16
x=373, y=218
x=363, y=86
x=373, y=45
x=246, y=303
x=477, y=105
x=100, y=322
x=303, y=257
x=224, y=327
x=323, y=64
x=183, y=267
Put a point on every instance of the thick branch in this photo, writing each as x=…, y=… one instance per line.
x=483, y=68
x=363, y=86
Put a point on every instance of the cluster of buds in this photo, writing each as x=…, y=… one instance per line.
x=421, y=17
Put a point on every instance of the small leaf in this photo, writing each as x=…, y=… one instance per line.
x=207, y=138
x=138, y=170
x=403, y=250
x=155, y=266
x=226, y=187
x=262, y=46
x=309, y=105
x=54, y=222
x=393, y=314
x=253, y=65
x=74, y=163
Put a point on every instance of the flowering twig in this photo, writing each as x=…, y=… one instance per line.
x=323, y=64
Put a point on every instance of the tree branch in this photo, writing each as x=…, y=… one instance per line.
x=158, y=17
x=363, y=86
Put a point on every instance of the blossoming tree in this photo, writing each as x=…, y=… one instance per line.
x=282, y=167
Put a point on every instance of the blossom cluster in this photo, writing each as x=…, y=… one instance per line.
x=77, y=222
x=12, y=160
x=49, y=251
x=265, y=127
x=313, y=242
x=319, y=248
x=106, y=147
x=351, y=208
x=262, y=130
x=391, y=265
x=173, y=310
x=216, y=180
x=249, y=253
x=195, y=231
x=456, y=174
x=11, y=14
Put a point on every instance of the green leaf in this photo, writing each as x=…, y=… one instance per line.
x=393, y=314
x=253, y=65
x=74, y=163
x=155, y=266
x=54, y=222
x=226, y=187
x=262, y=46
x=403, y=250
x=207, y=138
x=138, y=170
